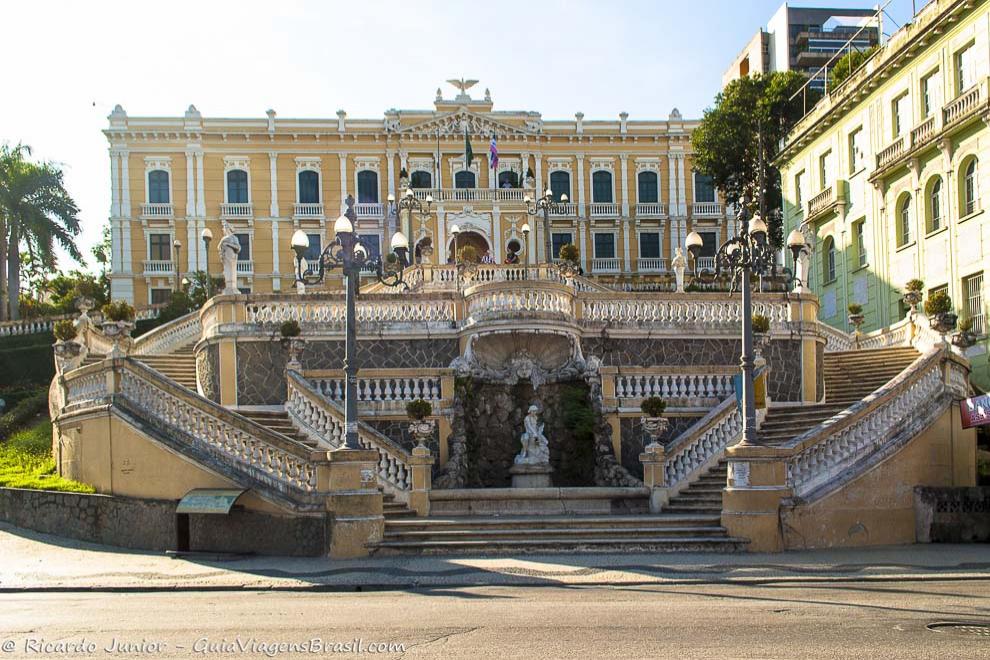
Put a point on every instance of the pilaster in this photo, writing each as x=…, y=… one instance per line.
x=390, y=157
x=751, y=502
x=343, y=181
x=273, y=176
x=681, y=190
x=354, y=503
x=200, y=186
x=114, y=183
x=125, y=183
x=580, y=182
x=190, y=184
x=624, y=172
x=539, y=172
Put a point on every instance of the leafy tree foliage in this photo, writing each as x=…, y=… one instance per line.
x=751, y=113
x=849, y=63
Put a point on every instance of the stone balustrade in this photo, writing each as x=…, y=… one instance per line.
x=329, y=311
x=890, y=153
x=375, y=387
x=681, y=310
x=310, y=414
x=85, y=388
x=963, y=105
x=537, y=300
x=633, y=384
x=170, y=336
x=701, y=444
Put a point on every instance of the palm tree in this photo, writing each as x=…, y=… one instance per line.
x=36, y=212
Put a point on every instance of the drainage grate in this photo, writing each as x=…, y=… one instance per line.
x=961, y=628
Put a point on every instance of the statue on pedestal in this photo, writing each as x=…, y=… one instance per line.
x=535, y=447
x=229, y=248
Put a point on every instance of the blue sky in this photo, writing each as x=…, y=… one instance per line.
x=308, y=59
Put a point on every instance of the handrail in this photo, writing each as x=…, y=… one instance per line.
x=872, y=427
x=169, y=336
x=693, y=449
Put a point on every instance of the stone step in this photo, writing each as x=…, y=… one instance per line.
x=551, y=533
x=541, y=545
x=614, y=522
x=694, y=508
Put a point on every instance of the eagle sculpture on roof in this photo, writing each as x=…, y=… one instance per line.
x=463, y=85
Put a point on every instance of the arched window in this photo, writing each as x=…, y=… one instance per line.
x=904, y=220
x=704, y=188
x=971, y=190
x=648, y=187
x=421, y=179
x=367, y=185
x=309, y=187
x=601, y=187
x=158, y=187
x=237, y=187
x=828, y=260
x=464, y=179
x=935, y=205
x=508, y=179
x=560, y=184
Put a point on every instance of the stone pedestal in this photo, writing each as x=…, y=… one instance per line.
x=355, y=503
x=531, y=476
x=751, y=502
x=421, y=465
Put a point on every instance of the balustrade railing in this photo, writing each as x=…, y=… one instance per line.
x=380, y=388
x=890, y=153
x=308, y=210
x=651, y=210
x=245, y=267
x=706, y=209
x=569, y=209
x=923, y=132
x=236, y=210
x=31, y=326
x=701, y=444
x=651, y=264
x=963, y=104
x=369, y=210
x=159, y=267
x=331, y=313
x=876, y=426
x=605, y=265
x=676, y=386
x=498, y=303
x=168, y=337
x=688, y=310
x=603, y=210
x=822, y=201
x=157, y=210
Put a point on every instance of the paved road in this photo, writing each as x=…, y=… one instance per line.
x=852, y=619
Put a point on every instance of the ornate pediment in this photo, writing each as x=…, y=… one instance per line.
x=453, y=123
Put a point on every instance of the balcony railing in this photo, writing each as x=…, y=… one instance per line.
x=157, y=210
x=711, y=209
x=651, y=264
x=604, y=210
x=159, y=267
x=471, y=194
x=963, y=104
x=705, y=263
x=605, y=265
x=821, y=201
x=245, y=267
x=235, y=211
x=890, y=153
x=308, y=210
x=569, y=209
x=651, y=210
x=369, y=210
x=923, y=131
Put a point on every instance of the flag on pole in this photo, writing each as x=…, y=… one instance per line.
x=493, y=153
x=468, y=152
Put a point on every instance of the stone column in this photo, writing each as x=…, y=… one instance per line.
x=539, y=173
x=672, y=204
x=354, y=503
x=114, y=183
x=390, y=157
x=497, y=233
x=200, y=186
x=421, y=466
x=273, y=175
x=125, y=184
x=626, y=230
x=190, y=184
x=343, y=181
x=492, y=174
x=440, y=247
x=652, y=459
x=580, y=182
x=624, y=171
x=582, y=225
x=681, y=190
x=276, y=250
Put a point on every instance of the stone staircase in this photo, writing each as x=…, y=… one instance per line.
x=279, y=422
x=664, y=532
x=704, y=496
x=179, y=365
x=849, y=377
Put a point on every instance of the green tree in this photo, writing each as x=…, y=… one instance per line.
x=849, y=63
x=37, y=212
x=750, y=112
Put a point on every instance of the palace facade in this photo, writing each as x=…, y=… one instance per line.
x=632, y=195
x=887, y=172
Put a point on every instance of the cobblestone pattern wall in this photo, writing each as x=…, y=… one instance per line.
x=261, y=364
x=952, y=515
x=783, y=355
x=150, y=524
x=633, y=440
x=398, y=431
x=208, y=371
x=820, y=376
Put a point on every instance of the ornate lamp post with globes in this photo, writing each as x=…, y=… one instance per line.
x=545, y=204
x=349, y=253
x=206, y=236
x=410, y=203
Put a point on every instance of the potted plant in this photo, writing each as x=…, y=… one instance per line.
x=290, y=332
x=654, y=423
x=118, y=322
x=965, y=337
x=570, y=253
x=67, y=349
x=938, y=309
x=856, y=315
x=913, y=293
x=421, y=428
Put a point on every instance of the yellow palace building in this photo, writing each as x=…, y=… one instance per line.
x=631, y=193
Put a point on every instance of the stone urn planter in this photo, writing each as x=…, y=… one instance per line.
x=296, y=346
x=68, y=355
x=119, y=332
x=964, y=339
x=422, y=431
x=654, y=427
x=943, y=322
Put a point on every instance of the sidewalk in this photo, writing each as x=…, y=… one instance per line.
x=40, y=562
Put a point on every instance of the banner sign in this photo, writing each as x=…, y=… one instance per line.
x=975, y=411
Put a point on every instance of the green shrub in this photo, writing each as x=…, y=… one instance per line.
x=965, y=324
x=468, y=255
x=855, y=309
x=938, y=303
x=653, y=406
x=570, y=253
x=419, y=409
x=848, y=63
x=290, y=329
x=64, y=330
x=118, y=310
x=914, y=285
x=28, y=365
x=26, y=462
x=25, y=412
x=761, y=324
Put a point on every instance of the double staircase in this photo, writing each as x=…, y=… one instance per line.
x=179, y=365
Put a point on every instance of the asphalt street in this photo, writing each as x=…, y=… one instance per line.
x=855, y=619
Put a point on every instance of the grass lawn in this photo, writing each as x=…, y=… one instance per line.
x=26, y=462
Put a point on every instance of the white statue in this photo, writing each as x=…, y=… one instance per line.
x=229, y=248
x=535, y=447
x=679, y=263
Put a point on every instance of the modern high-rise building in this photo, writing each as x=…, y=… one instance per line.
x=804, y=39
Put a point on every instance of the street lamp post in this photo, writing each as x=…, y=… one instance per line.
x=176, y=246
x=206, y=236
x=545, y=204
x=349, y=253
x=409, y=203
x=525, y=232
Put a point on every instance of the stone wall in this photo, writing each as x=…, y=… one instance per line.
x=493, y=420
x=633, y=440
x=261, y=364
x=952, y=515
x=398, y=432
x=208, y=371
x=783, y=356
x=150, y=524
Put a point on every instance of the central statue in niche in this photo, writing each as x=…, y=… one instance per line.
x=531, y=467
x=535, y=446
